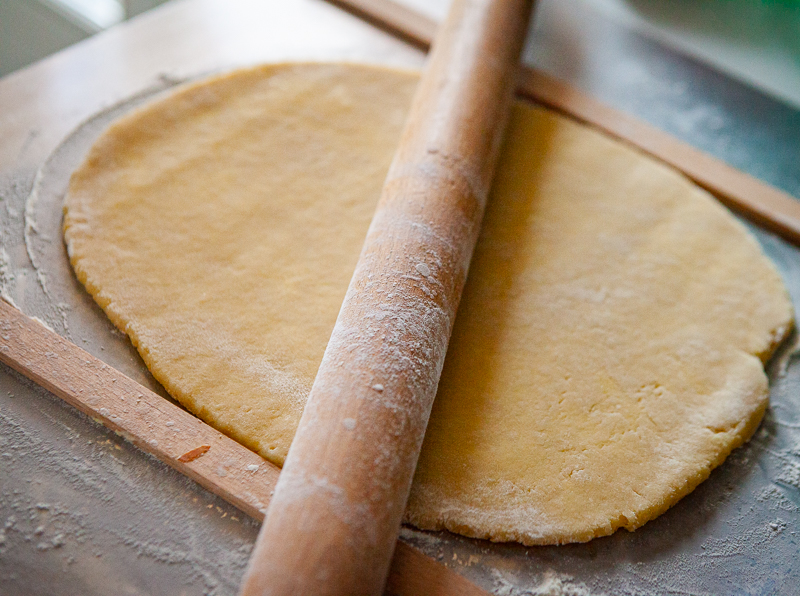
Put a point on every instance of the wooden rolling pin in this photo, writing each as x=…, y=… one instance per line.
x=334, y=519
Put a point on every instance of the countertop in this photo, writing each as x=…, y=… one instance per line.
x=83, y=512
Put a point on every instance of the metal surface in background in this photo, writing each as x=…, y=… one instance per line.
x=747, y=129
x=82, y=512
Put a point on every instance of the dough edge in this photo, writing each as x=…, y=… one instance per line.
x=538, y=531
x=441, y=518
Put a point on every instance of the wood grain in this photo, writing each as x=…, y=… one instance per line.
x=756, y=200
x=177, y=438
x=334, y=520
x=402, y=22
x=414, y=573
x=149, y=421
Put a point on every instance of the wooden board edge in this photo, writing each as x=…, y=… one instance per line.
x=177, y=438
x=758, y=201
x=410, y=26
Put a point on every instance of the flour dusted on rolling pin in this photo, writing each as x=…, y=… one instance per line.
x=440, y=177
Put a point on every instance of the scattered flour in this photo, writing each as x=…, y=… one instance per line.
x=552, y=584
x=63, y=529
x=57, y=524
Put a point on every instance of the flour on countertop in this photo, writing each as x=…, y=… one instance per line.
x=55, y=529
x=627, y=564
x=552, y=584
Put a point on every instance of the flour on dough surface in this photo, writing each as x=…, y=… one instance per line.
x=609, y=347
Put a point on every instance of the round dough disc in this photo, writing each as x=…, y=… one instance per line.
x=609, y=345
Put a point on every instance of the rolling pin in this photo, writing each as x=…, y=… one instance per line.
x=333, y=521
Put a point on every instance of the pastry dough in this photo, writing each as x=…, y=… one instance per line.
x=609, y=345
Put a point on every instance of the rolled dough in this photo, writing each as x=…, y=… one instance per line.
x=609, y=346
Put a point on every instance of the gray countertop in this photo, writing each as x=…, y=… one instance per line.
x=82, y=512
